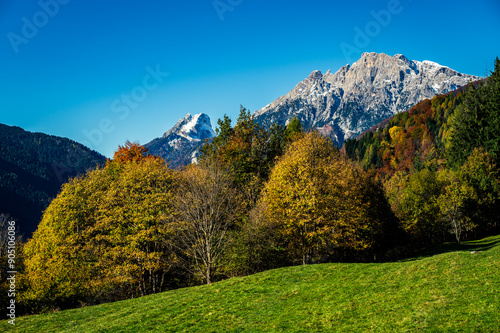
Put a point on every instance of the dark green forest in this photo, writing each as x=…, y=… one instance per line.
x=33, y=166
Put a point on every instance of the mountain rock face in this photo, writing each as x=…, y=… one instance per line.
x=180, y=145
x=358, y=96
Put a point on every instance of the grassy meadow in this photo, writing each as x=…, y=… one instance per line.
x=449, y=289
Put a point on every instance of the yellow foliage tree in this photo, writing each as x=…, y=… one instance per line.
x=105, y=236
x=453, y=203
x=321, y=203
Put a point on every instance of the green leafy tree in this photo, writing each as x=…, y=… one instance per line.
x=481, y=173
x=293, y=130
x=453, y=204
x=414, y=199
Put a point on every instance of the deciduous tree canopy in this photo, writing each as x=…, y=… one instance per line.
x=322, y=203
x=106, y=236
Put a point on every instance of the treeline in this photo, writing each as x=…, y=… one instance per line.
x=265, y=198
x=258, y=199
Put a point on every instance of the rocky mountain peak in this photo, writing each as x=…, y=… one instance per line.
x=315, y=75
x=361, y=95
x=405, y=61
x=180, y=145
x=197, y=127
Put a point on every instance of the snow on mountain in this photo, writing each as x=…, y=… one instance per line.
x=192, y=128
x=340, y=105
x=180, y=145
x=358, y=96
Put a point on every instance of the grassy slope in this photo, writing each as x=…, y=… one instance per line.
x=450, y=290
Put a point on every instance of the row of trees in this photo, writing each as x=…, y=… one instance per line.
x=262, y=199
x=136, y=227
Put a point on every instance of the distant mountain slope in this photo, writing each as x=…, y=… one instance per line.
x=180, y=145
x=407, y=140
x=359, y=96
x=33, y=166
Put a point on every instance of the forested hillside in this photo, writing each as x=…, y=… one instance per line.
x=413, y=139
x=439, y=162
x=33, y=166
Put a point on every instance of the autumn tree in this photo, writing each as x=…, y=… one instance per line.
x=130, y=152
x=59, y=271
x=135, y=223
x=206, y=204
x=106, y=236
x=453, y=203
x=321, y=204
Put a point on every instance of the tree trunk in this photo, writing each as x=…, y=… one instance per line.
x=208, y=274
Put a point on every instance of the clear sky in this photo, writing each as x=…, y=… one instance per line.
x=103, y=72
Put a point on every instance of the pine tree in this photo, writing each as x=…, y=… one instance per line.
x=476, y=123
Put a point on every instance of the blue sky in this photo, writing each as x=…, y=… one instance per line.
x=103, y=72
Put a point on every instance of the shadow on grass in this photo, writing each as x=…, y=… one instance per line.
x=479, y=245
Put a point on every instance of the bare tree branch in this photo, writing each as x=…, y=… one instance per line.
x=206, y=204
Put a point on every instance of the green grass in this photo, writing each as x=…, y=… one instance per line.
x=446, y=290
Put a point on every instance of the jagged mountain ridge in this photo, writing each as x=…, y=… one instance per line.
x=358, y=96
x=340, y=105
x=180, y=145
